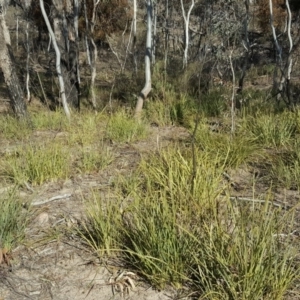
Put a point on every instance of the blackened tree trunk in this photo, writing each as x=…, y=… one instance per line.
x=7, y=65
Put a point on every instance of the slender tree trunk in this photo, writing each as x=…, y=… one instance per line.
x=76, y=13
x=154, y=16
x=27, y=60
x=147, y=88
x=58, y=62
x=62, y=13
x=134, y=37
x=94, y=55
x=166, y=37
x=286, y=74
x=186, y=19
x=278, y=48
x=282, y=87
x=7, y=64
x=92, y=52
x=232, y=96
x=247, y=48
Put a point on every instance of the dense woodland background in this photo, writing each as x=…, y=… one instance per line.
x=231, y=44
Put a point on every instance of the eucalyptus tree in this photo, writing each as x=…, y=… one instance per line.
x=284, y=14
x=148, y=54
x=90, y=15
x=286, y=65
x=246, y=45
x=134, y=40
x=7, y=65
x=62, y=19
x=58, y=62
x=186, y=18
x=62, y=15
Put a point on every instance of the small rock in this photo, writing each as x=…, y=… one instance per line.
x=42, y=219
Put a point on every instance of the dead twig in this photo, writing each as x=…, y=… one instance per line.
x=59, y=197
x=262, y=201
x=122, y=284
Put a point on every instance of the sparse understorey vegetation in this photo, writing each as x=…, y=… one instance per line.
x=181, y=216
x=198, y=192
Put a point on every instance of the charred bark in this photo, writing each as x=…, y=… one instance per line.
x=7, y=65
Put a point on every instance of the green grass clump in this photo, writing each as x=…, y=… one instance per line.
x=271, y=130
x=93, y=158
x=168, y=199
x=242, y=254
x=172, y=109
x=123, y=128
x=283, y=168
x=232, y=151
x=101, y=229
x=154, y=244
x=214, y=103
x=87, y=129
x=160, y=198
x=49, y=120
x=176, y=225
x=12, y=128
x=37, y=164
x=13, y=221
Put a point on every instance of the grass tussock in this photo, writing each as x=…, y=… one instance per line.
x=36, y=164
x=270, y=130
x=177, y=226
x=13, y=221
x=13, y=129
x=284, y=167
x=94, y=158
x=45, y=120
x=86, y=131
x=242, y=255
x=232, y=151
x=101, y=229
x=123, y=128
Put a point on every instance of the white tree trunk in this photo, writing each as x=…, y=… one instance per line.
x=232, y=96
x=186, y=19
x=246, y=45
x=289, y=64
x=76, y=13
x=278, y=48
x=166, y=36
x=92, y=52
x=27, y=60
x=58, y=67
x=154, y=32
x=287, y=4
x=147, y=88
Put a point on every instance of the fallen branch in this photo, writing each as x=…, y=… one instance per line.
x=275, y=203
x=59, y=197
x=29, y=188
x=294, y=233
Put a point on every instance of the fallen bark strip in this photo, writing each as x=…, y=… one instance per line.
x=261, y=201
x=59, y=197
